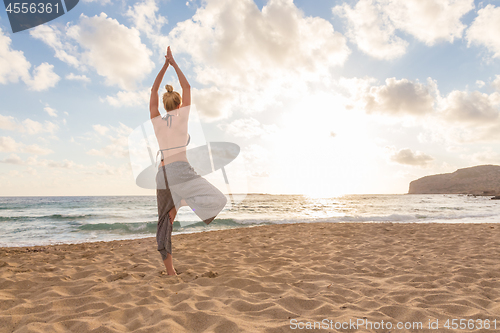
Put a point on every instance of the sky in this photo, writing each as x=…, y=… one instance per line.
x=324, y=98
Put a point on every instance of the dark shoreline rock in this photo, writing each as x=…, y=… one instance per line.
x=496, y=197
x=482, y=180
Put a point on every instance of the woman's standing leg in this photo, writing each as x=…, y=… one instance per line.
x=169, y=261
x=169, y=265
x=165, y=217
x=163, y=238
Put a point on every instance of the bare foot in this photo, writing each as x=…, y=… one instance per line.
x=169, y=265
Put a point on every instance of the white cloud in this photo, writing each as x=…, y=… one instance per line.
x=13, y=64
x=408, y=157
x=190, y=3
x=33, y=160
x=118, y=136
x=430, y=21
x=12, y=159
x=129, y=98
x=36, y=149
x=496, y=83
x=113, y=50
x=214, y=102
x=8, y=123
x=31, y=171
x=43, y=78
x=457, y=118
x=372, y=24
x=474, y=108
x=51, y=112
x=145, y=19
x=487, y=156
x=371, y=30
x=121, y=171
x=27, y=126
x=100, y=129
x=464, y=117
x=102, y=43
x=237, y=34
x=8, y=144
x=398, y=97
x=480, y=83
x=460, y=117
x=64, y=164
x=34, y=127
x=248, y=128
x=484, y=30
x=75, y=77
x=53, y=37
x=101, y=2
x=254, y=56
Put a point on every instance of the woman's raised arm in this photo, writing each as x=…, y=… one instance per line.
x=153, y=101
x=186, y=88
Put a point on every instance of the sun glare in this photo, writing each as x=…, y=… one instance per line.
x=323, y=149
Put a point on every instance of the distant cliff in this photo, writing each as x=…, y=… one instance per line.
x=479, y=180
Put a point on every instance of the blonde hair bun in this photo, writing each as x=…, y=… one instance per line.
x=171, y=99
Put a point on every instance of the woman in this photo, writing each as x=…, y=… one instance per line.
x=177, y=184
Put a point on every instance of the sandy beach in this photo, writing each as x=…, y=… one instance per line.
x=277, y=278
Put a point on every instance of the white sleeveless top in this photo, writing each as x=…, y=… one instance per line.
x=172, y=131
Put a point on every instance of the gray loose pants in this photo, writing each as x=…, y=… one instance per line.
x=177, y=181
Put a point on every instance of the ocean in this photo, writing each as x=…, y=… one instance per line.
x=28, y=221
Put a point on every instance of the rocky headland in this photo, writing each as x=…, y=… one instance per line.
x=478, y=180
